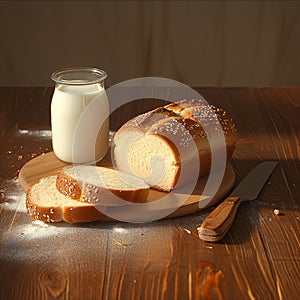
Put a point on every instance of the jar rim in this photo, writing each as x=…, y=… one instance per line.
x=79, y=76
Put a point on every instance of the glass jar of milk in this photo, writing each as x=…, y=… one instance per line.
x=79, y=115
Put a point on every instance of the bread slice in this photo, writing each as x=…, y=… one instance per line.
x=98, y=185
x=166, y=146
x=45, y=203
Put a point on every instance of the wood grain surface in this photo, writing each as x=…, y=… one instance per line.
x=258, y=258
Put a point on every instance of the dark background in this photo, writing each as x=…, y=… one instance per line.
x=199, y=43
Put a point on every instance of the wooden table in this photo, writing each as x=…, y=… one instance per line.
x=259, y=258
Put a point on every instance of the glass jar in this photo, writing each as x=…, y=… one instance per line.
x=79, y=115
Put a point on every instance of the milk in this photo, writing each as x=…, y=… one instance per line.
x=79, y=120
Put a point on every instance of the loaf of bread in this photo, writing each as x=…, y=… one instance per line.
x=98, y=185
x=166, y=145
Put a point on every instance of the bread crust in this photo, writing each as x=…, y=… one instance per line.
x=76, y=212
x=142, y=123
x=86, y=192
x=69, y=214
x=45, y=214
x=184, y=126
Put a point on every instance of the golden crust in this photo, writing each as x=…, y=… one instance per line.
x=76, y=212
x=46, y=214
x=145, y=121
x=90, y=193
x=185, y=126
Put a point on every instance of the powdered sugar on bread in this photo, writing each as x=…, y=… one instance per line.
x=98, y=184
x=181, y=131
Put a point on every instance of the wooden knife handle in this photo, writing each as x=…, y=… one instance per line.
x=218, y=222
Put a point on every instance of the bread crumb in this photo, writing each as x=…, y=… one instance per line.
x=186, y=230
x=120, y=243
x=276, y=212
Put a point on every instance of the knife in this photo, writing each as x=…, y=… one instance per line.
x=218, y=222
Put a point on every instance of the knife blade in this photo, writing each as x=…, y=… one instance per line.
x=218, y=222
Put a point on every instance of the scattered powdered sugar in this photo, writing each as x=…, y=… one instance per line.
x=265, y=218
x=36, y=133
x=35, y=230
x=27, y=242
x=14, y=198
x=15, y=203
x=40, y=224
x=31, y=241
x=23, y=235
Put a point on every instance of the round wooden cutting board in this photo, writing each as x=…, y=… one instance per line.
x=47, y=164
